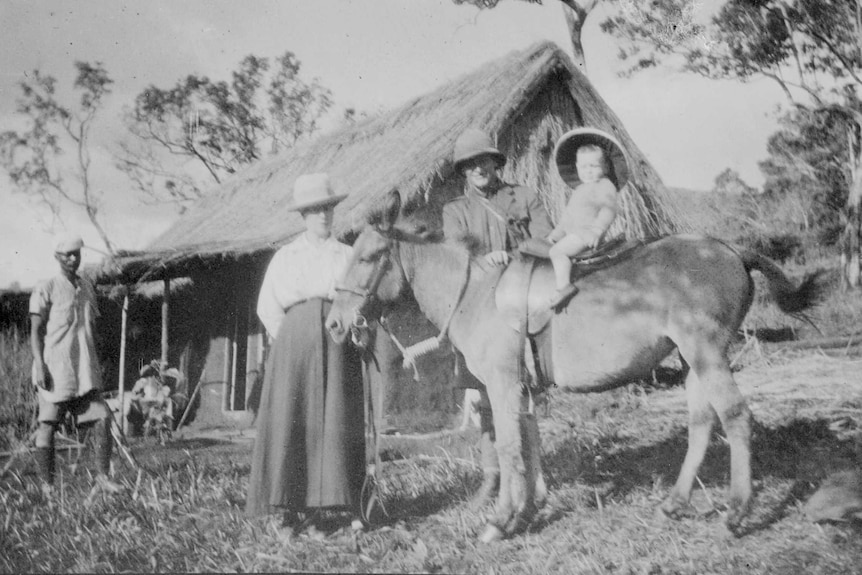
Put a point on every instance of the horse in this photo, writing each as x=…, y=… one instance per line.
x=684, y=292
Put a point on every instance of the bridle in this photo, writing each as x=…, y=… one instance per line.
x=369, y=302
x=359, y=328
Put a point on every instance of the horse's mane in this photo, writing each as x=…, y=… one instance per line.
x=420, y=221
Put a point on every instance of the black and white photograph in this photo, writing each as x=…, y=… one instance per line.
x=431, y=286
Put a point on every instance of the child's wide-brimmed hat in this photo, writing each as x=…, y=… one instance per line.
x=313, y=191
x=472, y=144
x=565, y=155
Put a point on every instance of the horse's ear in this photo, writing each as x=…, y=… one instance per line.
x=391, y=210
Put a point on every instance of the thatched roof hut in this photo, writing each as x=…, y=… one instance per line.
x=527, y=99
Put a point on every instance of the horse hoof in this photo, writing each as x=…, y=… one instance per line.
x=492, y=533
x=676, y=510
x=735, y=515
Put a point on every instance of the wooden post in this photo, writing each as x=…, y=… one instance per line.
x=166, y=304
x=122, y=383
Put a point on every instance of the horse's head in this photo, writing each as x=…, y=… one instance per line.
x=375, y=274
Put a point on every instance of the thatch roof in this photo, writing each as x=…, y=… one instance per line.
x=408, y=148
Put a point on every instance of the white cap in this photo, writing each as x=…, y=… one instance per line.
x=69, y=243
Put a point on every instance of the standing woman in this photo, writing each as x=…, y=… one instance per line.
x=310, y=448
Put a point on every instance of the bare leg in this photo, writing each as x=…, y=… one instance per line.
x=562, y=267
x=561, y=256
x=561, y=253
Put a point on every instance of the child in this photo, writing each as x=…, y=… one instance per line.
x=589, y=213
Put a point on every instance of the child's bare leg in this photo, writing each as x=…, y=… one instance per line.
x=562, y=266
x=561, y=254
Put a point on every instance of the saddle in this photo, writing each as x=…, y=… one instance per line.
x=527, y=284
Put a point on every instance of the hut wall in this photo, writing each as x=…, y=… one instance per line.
x=529, y=139
x=216, y=343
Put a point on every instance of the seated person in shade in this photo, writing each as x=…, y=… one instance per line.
x=590, y=211
x=150, y=392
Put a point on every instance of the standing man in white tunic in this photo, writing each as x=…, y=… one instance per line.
x=66, y=369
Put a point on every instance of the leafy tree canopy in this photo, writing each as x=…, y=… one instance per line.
x=192, y=135
x=33, y=157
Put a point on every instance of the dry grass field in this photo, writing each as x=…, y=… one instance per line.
x=610, y=459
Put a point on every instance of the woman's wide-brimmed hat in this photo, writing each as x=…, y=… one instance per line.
x=565, y=155
x=313, y=191
x=472, y=144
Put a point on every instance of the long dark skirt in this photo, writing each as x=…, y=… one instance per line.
x=310, y=446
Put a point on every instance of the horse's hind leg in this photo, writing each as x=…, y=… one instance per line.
x=715, y=381
x=701, y=418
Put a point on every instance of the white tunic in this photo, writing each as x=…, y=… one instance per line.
x=69, y=312
x=299, y=271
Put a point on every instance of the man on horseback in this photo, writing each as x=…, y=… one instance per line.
x=497, y=216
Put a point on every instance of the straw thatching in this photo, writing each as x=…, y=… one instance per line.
x=526, y=99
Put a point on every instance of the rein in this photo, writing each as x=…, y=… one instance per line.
x=359, y=327
x=411, y=353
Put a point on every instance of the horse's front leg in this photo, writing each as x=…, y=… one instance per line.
x=515, y=504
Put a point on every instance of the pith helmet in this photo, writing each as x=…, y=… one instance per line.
x=313, y=191
x=472, y=144
x=565, y=155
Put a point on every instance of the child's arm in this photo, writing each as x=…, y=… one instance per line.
x=601, y=224
x=608, y=207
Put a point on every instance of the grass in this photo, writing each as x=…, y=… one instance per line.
x=17, y=394
x=610, y=459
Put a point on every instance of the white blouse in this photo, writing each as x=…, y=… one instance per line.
x=299, y=271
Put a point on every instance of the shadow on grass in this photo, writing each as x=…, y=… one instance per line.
x=802, y=451
x=421, y=476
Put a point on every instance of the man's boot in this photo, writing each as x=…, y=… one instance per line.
x=45, y=462
x=104, y=446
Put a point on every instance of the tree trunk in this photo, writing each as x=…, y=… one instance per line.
x=575, y=23
x=850, y=242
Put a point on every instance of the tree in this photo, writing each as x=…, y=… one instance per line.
x=33, y=157
x=730, y=182
x=652, y=27
x=806, y=167
x=199, y=131
x=813, y=51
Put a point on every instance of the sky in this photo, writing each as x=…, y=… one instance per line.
x=372, y=55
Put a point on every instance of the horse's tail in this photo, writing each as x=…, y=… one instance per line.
x=789, y=298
